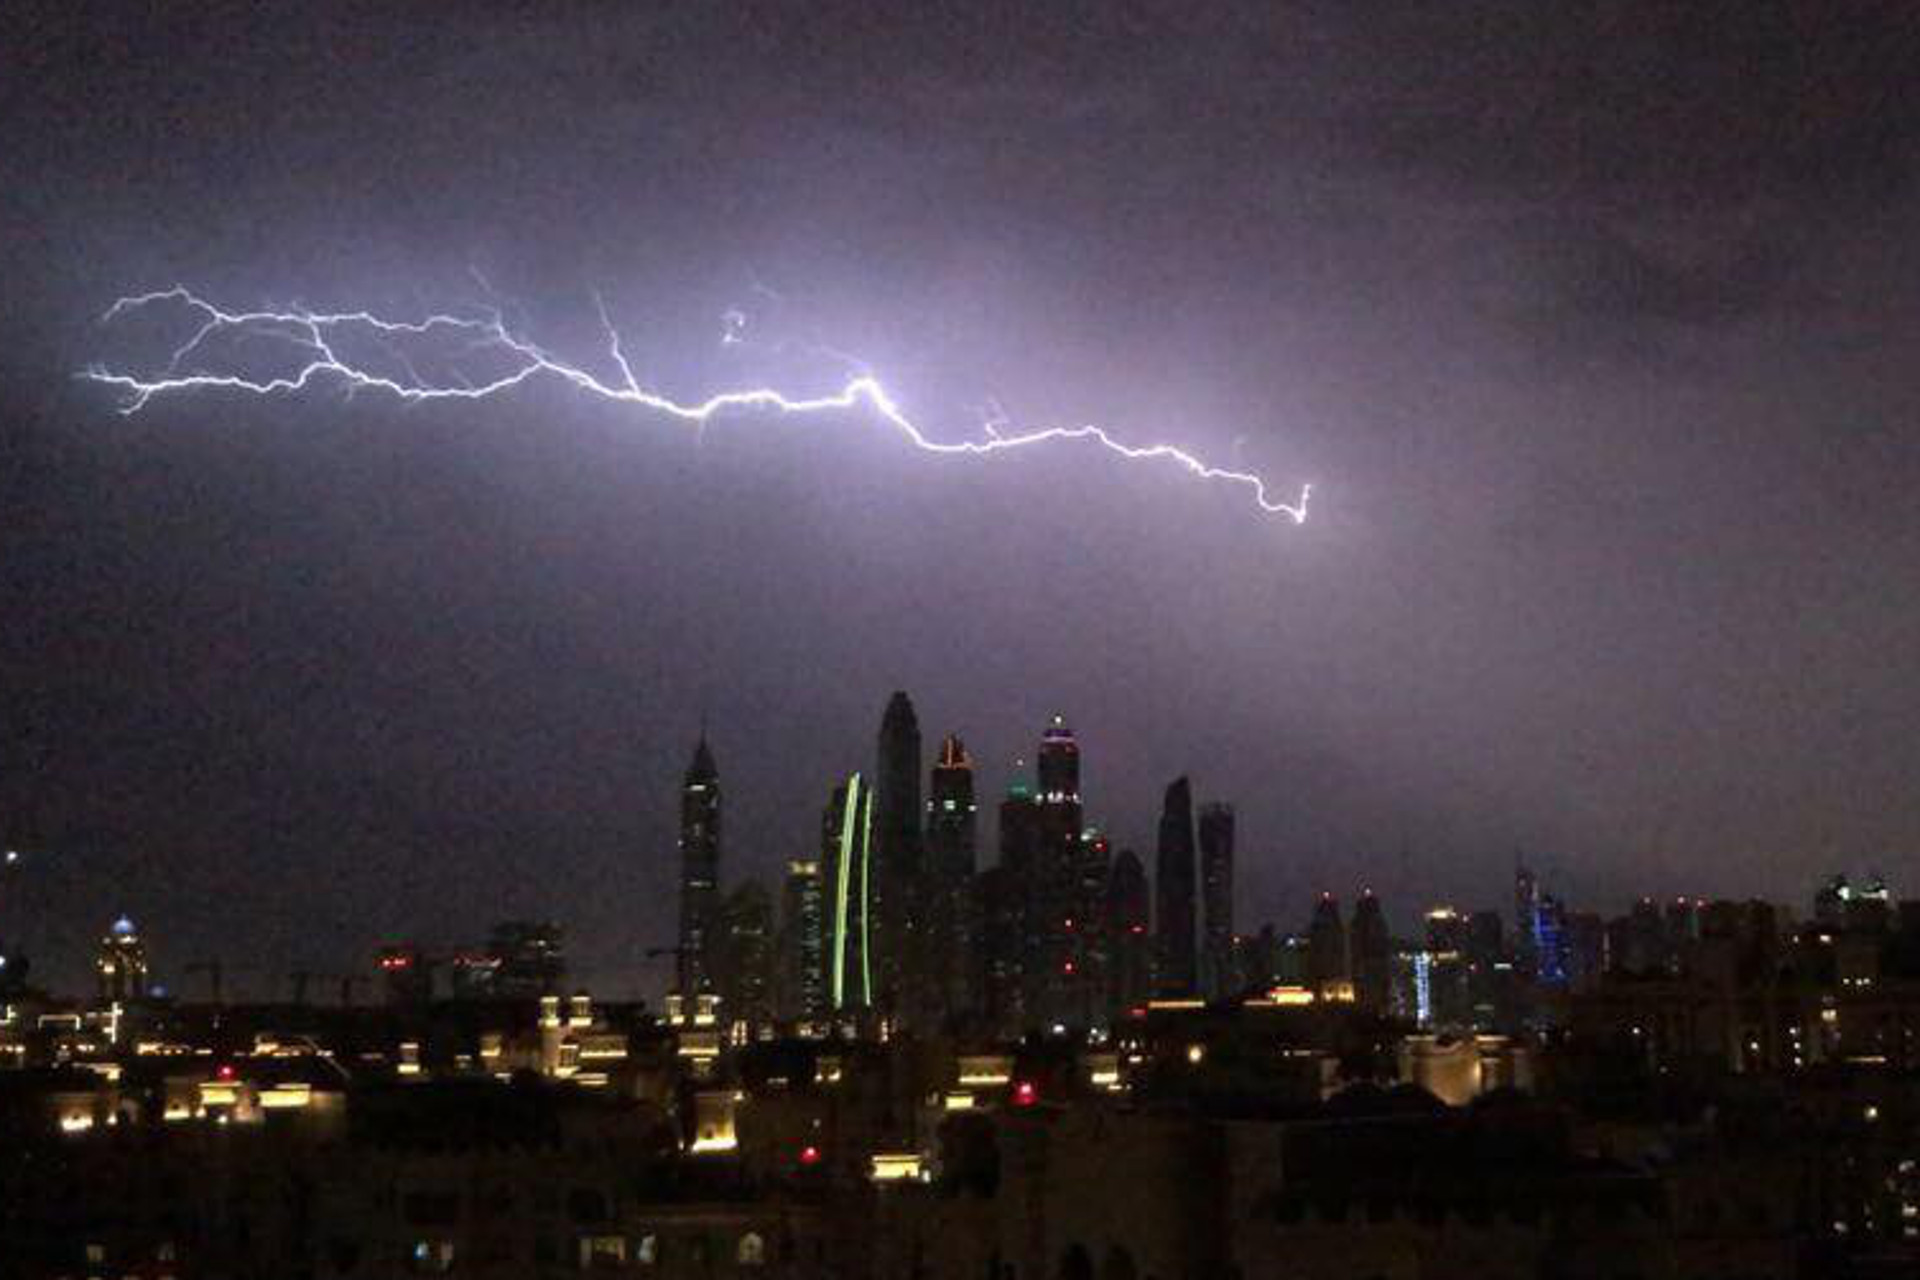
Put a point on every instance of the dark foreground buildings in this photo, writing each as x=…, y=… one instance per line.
x=1052, y=1066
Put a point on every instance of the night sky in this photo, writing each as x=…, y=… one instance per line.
x=1594, y=326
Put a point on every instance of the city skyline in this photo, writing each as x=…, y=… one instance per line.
x=862, y=947
x=1593, y=334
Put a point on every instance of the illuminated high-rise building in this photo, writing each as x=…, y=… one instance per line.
x=1173, y=887
x=121, y=965
x=899, y=960
x=1370, y=952
x=803, y=943
x=699, y=871
x=846, y=840
x=1551, y=966
x=949, y=908
x=1130, y=980
x=1217, y=977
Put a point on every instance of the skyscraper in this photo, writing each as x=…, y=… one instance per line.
x=898, y=960
x=1059, y=764
x=950, y=913
x=741, y=952
x=1370, y=949
x=1217, y=977
x=699, y=870
x=1090, y=952
x=1056, y=883
x=1009, y=912
x=1550, y=961
x=1130, y=984
x=1327, y=946
x=1173, y=886
x=1450, y=998
x=803, y=943
x=1526, y=911
x=845, y=855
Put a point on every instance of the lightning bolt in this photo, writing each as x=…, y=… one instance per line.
x=318, y=336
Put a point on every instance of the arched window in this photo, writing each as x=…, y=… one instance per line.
x=752, y=1251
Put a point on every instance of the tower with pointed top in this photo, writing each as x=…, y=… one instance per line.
x=699, y=871
x=1327, y=964
x=1370, y=955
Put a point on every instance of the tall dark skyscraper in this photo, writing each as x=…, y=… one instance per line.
x=1217, y=976
x=742, y=956
x=1130, y=981
x=699, y=870
x=1058, y=906
x=1327, y=963
x=846, y=839
x=1008, y=912
x=899, y=960
x=950, y=912
x=1371, y=955
x=1173, y=886
x=1091, y=952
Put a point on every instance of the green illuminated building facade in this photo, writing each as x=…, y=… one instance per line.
x=846, y=848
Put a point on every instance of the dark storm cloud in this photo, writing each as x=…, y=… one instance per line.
x=1678, y=164
x=1593, y=323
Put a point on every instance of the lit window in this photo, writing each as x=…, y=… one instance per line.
x=602, y=1251
x=752, y=1251
x=647, y=1252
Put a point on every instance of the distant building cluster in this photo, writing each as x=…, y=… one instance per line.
x=903, y=1063
x=896, y=926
